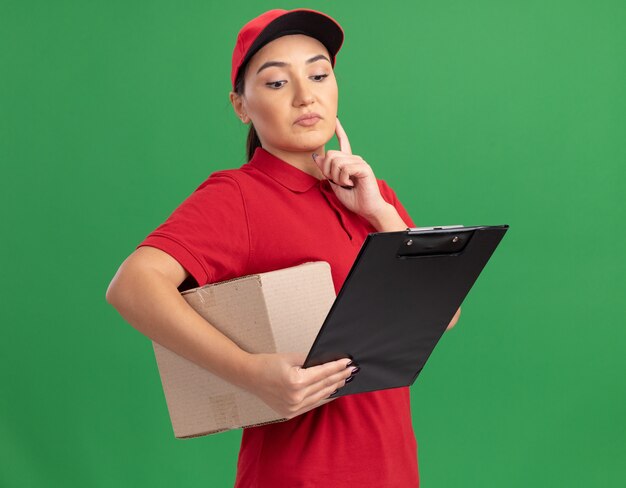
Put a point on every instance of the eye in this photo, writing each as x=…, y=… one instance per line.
x=319, y=77
x=275, y=84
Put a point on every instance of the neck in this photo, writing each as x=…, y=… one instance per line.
x=301, y=160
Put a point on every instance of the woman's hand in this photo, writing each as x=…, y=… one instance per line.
x=351, y=178
x=455, y=319
x=290, y=390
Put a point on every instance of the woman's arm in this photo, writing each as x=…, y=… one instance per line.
x=145, y=292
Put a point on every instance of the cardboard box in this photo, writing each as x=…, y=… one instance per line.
x=274, y=312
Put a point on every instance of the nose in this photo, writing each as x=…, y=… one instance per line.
x=303, y=93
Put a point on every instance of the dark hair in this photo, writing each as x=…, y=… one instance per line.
x=253, y=139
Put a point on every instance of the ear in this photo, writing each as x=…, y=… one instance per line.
x=238, y=106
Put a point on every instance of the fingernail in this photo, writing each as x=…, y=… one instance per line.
x=350, y=364
x=349, y=379
x=356, y=370
x=333, y=393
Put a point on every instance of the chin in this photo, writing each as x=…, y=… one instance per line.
x=311, y=140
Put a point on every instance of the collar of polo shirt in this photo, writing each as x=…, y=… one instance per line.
x=284, y=173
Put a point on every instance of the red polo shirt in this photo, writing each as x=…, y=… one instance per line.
x=268, y=215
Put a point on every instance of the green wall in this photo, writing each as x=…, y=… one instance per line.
x=483, y=112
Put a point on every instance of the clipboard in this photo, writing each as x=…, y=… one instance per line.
x=400, y=295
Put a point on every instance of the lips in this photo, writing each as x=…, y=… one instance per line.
x=308, y=119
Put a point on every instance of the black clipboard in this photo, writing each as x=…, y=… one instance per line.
x=400, y=295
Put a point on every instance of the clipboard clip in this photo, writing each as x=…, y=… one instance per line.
x=442, y=227
x=417, y=243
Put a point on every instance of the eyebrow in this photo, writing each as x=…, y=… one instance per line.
x=282, y=64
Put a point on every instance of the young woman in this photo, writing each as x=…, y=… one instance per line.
x=292, y=202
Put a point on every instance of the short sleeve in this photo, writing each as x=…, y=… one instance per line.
x=208, y=233
x=390, y=197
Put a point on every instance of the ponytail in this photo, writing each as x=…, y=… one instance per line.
x=253, y=138
x=253, y=142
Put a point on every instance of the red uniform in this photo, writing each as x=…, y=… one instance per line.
x=268, y=215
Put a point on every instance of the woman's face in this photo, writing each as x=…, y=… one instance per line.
x=287, y=78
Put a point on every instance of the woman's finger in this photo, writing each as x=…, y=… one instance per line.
x=353, y=172
x=318, y=399
x=342, y=137
x=342, y=170
x=324, y=163
x=345, y=179
x=335, y=381
x=333, y=161
x=315, y=374
x=320, y=162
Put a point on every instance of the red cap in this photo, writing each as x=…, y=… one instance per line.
x=276, y=23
